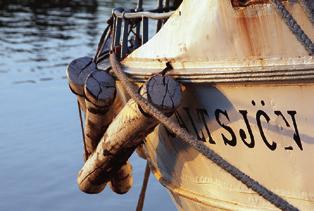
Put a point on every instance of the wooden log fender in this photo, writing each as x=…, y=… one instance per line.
x=126, y=132
x=140, y=151
x=77, y=72
x=122, y=181
x=100, y=92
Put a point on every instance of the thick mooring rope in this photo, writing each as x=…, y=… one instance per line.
x=294, y=27
x=308, y=6
x=270, y=196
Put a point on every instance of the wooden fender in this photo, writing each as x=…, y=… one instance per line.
x=77, y=72
x=100, y=92
x=126, y=132
x=122, y=181
x=140, y=151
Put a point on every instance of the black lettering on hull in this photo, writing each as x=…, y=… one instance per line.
x=243, y=136
x=200, y=117
x=233, y=140
x=202, y=114
x=259, y=114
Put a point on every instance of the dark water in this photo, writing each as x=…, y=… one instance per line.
x=40, y=139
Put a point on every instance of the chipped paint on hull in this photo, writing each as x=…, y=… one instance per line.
x=212, y=34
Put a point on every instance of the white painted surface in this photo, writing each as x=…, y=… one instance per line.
x=286, y=172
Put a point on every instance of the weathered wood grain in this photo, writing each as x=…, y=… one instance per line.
x=100, y=92
x=122, y=181
x=126, y=132
x=77, y=72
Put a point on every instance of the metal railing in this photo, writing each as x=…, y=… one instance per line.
x=131, y=27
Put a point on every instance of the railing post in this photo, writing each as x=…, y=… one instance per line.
x=117, y=34
x=167, y=5
x=124, y=47
x=160, y=4
x=138, y=25
x=144, y=30
x=139, y=5
x=138, y=35
x=160, y=8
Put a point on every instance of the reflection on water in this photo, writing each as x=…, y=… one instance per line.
x=39, y=38
x=41, y=147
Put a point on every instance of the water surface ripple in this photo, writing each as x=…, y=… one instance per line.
x=41, y=147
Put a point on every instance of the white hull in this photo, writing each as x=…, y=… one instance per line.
x=280, y=157
x=247, y=77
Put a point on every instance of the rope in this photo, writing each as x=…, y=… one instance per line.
x=103, y=39
x=140, y=202
x=82, y=129
x=294, y=27
x=308, y=6
x=192, y=141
